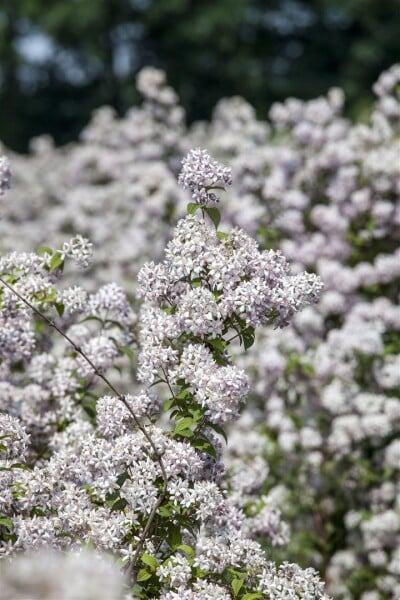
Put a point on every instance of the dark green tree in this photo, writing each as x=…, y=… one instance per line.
x=61, y=59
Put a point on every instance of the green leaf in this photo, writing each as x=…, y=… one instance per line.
x=219, y=359
x=248, y=337
x=143, y=575
x=89, y=406
x=186, y=433
x=36, y=511
x=217, y=343
x=214, y=215
x=137, y=591
x=59, y=308
x=50, y=297
x=7, y=523
x=252, y=596
x=118, y=504
x=44, y=250
x=197, y=413
x=204, y=445
x=221, y=235
x=308, y=370
x=56, y=261
x=184, y=394
x=219, y=430
x=169, y=404
x=23, y=466
x=149, y=560
x=184, y=424
x=163, y=511
x=122, y=478
x=196, y=282
x=192, y=207
x=175, y=536
x=186, y=549
x=236, y=584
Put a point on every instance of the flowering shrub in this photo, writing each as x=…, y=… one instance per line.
x=319, y=440
x=328, y=388
x=139, y=474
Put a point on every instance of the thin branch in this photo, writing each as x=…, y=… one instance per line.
x=168, y=383
x=233, y=338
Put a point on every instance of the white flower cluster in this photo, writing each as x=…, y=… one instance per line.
x=220, y=389
x=206, y=287
x=13, y=439
x=114, y=418
x=45, y=392
x=79, y=249
x=200, y=174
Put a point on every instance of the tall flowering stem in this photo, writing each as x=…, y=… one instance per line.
x=211, y=288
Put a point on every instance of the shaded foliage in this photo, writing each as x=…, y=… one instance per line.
x=59, y=60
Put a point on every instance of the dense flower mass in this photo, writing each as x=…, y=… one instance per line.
x=311, y=469
x=81, y=468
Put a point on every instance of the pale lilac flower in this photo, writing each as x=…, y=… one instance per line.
x=201, y=174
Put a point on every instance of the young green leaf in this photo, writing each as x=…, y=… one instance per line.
x=184, y=424
x=248, y=337
x=7, y=523
x=143, y=575
x=56, y=261
x=186, y=549
x=236, y=584
x=204, y=445
x=169, y=404
x=214, y=215
x=175, y=536
x=163, y=511
x=192, y=207
x=59, y=308
x=219, y=430
x=44, y=250
x=149, y=560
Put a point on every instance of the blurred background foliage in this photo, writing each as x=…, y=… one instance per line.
x=60, y=59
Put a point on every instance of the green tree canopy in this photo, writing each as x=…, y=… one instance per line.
x=59, y=60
